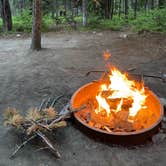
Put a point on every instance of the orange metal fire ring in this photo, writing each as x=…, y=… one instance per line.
x=122, y=138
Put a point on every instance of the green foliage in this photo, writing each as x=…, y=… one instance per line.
x=0, y=25
x=23, y=22
x=47, y=21
x=154, y=20
x=117, y=23
x=78, y=19
x=95, y=23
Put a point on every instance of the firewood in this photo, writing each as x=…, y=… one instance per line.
x=37, y=122
x=107, y=129
x=49, y=144
x=21, y=146
x=122, y=115
x=98, y=125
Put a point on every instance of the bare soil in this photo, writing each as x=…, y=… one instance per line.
x=26, y=77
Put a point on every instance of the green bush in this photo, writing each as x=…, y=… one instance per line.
x=116, y=23
x=154, y=20
x=78, y=19
x=0, y=25
x=22, y=22
x=47, y=21
x=94, y=22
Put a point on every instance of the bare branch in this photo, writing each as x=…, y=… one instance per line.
x=21, y=146
x=49, y=144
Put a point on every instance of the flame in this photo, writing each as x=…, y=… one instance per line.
x=123, y=89
x=106, y=55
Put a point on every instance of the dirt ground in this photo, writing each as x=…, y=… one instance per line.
x=27, y=77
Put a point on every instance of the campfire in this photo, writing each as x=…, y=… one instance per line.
x=117, y=104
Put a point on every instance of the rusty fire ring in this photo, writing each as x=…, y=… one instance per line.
x=123, y=138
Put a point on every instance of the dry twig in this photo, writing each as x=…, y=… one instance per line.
x=49, y=144
x=39, y=121
x=21, y=146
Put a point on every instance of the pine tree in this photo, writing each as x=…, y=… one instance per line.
x=36, y=27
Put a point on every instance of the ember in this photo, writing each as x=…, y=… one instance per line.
x=117, y=104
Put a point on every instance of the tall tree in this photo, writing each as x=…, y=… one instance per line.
x=135, y=8
x=36, y=27
x=6, y=15
x=126, y=8
x=161, y=3
x=107, y=8
x=112, y=8
x=65, y=6
x=145, y=5
x=120, y=1
x=152, y=4
x=57, y=6
x=84, y=12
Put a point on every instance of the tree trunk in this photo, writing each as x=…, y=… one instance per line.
x=135, y=8
x=120, y=7
x=84, y=12
x=145, y=5
x=152, y=4
x=112, y=8
x=6, y=15
x=107, y=9
x=57, y=8
x=53, y=10
x=36, y=27
x=161, y=3
x=132, y=4
x=126, y=9
x=65, y=7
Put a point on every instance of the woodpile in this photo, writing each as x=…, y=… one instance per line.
x=119, y=121
x=38, y=123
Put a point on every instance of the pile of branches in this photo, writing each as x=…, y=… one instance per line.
x=37, y=123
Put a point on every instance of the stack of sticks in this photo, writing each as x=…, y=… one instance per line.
x=38, y=123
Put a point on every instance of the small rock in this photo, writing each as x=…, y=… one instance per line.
x=18, y=35
x=163, y=101
x=163, y=128
x=94, y=32
x=158, y=138
x=164, y=120
x=124, y=36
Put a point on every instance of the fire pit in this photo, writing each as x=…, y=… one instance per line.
x=117, y=109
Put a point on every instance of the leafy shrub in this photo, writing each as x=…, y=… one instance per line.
x=0, y=25
x=47, y=21
x=22, y=22
x=154, y=20
x=94, y=22
x=105, y=24
x=116, y=23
